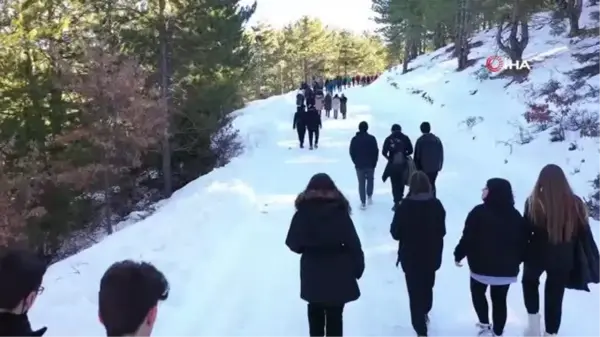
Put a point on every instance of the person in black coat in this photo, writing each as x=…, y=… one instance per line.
x=493, y=241
x=364, y=153
x=332, y=258
x=419, y=226
x=429, y=154
x=313, y=124
x=327, y=103
x=21, y=275
x=396, y=148
x=300, y=124
x=343, y=105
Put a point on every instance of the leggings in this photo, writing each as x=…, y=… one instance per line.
x=313, y=135
x=554, y=291
x=325, y=320
x=499, y=310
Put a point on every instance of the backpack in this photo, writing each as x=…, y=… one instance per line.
x=397, y=149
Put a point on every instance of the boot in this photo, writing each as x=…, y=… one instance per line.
x=533, y=325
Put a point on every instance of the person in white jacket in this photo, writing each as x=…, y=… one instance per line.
x=336, y=102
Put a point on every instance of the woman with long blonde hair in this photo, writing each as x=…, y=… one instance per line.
x=555, y=216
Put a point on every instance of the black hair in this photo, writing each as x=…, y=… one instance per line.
x=363, y=126
x=128, y=290
x=324, y=185
x=396, y=127
x=499, y=193
x=21, y=273
x=425, y=127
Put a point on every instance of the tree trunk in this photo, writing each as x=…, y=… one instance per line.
x=405, y=56
x=574, y=8
x=515, y=46
x=461, y=44
x=438, y=36
x=164, y=93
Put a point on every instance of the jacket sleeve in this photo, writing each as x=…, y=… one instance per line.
x=409, y=146
x=385, y=149
x=417, y=156
x=441, y=154
x=320, y=122
x=375, y=151
x=396, y=226
x=353, y=243
x=295, y=236
x=295, y=122
x=353, y=150
x=460, y=252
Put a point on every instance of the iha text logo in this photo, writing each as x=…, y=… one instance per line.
x=496, y=64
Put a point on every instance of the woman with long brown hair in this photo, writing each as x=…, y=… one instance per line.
x=555, y=216
x=332, y=258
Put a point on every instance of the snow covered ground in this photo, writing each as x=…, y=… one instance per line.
x=220, y=240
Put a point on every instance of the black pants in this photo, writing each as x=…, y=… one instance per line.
x=325, y=320
x=313, y=135
x=301, y=133
x=554, y=291
x=432, y=177
x=397, y=187
x=420, y=297
x=499, y=309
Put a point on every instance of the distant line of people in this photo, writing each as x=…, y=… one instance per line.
x=553, y=236
x=340, y=83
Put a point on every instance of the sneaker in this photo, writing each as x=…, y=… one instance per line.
x=316, y=146
x=484, y=329
x=363, y=206
x=301, y=146
x=310, y=148
x=370, y=200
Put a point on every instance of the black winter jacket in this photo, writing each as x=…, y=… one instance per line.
x=313, y=119
x=332, y=258
x=343, y=104
x=327, y=102
x=419, y=226
x=556, y=258
x=364, y=151
x=17, y=325
x=388, y=152
x=429, y=153
x=493, y=241
x=300, y=118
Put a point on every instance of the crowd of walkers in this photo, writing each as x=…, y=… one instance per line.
x=310, y=103
x=340, y=83
x=128, y=295
x=553, y=236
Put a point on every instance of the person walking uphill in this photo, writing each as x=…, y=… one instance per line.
x=300, y=124
x=364, y=153
x=493, y=241
x=343, y=105
x=327, y=105
x=557, y=220
x=419, y=226
x=332, y=259
x=313, y=124
x=396, y=149
x=429, y=154
x=336, y=102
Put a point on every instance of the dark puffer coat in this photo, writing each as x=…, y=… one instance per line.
x=332, y=258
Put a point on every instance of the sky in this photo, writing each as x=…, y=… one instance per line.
x=353, y=15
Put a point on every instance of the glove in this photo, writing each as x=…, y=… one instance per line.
x=458, y=264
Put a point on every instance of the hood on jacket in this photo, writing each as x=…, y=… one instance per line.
x=326, y=198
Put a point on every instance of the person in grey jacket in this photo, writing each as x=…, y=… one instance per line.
x=429, y=154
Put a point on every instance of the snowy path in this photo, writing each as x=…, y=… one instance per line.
x=220, y=240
